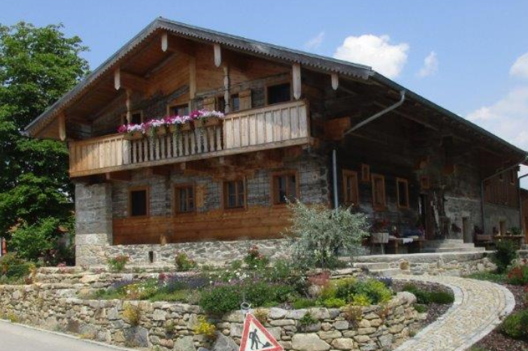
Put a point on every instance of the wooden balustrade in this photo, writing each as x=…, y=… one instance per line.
x=257, y=129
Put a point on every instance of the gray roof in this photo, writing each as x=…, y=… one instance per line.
x=307, y=60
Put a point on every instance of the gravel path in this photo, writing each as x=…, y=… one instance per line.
x=478, y=308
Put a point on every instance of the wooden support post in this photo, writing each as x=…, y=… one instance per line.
x=227, y=96
x=296, y=77
x=128, y=106
x=217, y=55
x=192, y=81
x=62, y=127
x=335, y=81
x=123, y=176
x=129, y=81
x=117, y=79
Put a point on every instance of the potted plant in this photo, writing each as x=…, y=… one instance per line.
x=205, y=118
x=156, y=127
x=132, y=131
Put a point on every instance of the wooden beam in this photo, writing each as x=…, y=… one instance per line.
x=121, y=176
x=227, y=95
x=163, y=171
x=164, y=42
x=128, y=80
x=296, y=77
x=335, y=81
x=217, y=55
x=62, y=126
x=192, y=77
x=128, y=104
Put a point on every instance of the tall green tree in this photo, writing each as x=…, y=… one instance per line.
x=37, y=66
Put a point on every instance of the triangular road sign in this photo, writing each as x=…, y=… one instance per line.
x=256, y=338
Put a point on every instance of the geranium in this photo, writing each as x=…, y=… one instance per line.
x=131, y=128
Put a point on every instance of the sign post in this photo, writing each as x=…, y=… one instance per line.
x=257, y=338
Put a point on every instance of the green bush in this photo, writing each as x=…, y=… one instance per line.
x=506, y=252
x=14, y=270
x=320, y=232
x=220, y=299
x=420, y=308
x=302, y=303
x=427, y=297
x=333, y=302
x=118, y=263
x=255, y=260
x=184, y=263
x=376, y=291
x=361, y=300
x=307, y=320
x=516, y=325
x=344, y=288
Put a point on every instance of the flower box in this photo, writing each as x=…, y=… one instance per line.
x=133, y=136
x=212, y=122
x=186, y=127
x=161, y=131
x=174, y=128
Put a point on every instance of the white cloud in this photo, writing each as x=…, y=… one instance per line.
x=374, y=51
x=430, y=66
x=520, y=67
x=507, y=118
x=315, y=42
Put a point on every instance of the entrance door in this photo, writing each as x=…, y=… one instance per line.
x=467, y=235
x=426, y=216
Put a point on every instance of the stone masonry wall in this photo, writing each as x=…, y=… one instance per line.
x=170, y=326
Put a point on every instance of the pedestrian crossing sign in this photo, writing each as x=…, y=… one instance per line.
x=257, y=338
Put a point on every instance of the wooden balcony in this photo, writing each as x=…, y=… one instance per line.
x=275, y=126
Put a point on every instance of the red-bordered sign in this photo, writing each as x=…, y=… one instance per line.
x=257, y=338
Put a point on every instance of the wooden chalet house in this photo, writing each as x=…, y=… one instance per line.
x=296, y=125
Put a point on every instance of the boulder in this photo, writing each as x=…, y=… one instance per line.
x=184, y=344
x=309, y=342
x=224, y=343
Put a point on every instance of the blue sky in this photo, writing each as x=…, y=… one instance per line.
x=474, y=49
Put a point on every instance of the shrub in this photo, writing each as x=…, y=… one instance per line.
x=333, y=302
x=427, y=297
x=361, y=300
x=184, y=263
x=353, y=314
x=220, y=299
x=376, y=291
x=261, y=315
x=420, y=308
x=118, y=263
x=255, y=260
x=14, y=270
x=518, y=275
x=132, y=314
x=345, y=287
x=320, y=232
x=506, y=252
x=203, y=327
x=516, y=325
x=301, y=303
x=307, y=320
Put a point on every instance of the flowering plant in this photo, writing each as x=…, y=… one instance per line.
x=131, y=128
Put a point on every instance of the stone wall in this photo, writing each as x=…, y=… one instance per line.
x=170, y=326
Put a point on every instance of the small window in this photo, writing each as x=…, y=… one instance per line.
x=235, y=103
x=365, y=173
x=279, y=93
x=234, y=194
x=179, y=110
x=378, y=191
x=350, y=188
x=136, y=118
x=513, y=177
x=184, y=198
x=402, y=190
x=284, y=188
x=138, y=202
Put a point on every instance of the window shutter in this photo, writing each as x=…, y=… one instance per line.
x=209, y=103
x=245, y=99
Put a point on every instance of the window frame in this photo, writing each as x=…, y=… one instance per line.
x=406, y=182
x=124, y=120
x=177, y=104
x=225, y=195
x=274, y=191
x=176, y=198
x=365, y=173
x=145, y=188
x=270, y=85
x=375, y=206
x=346, y=174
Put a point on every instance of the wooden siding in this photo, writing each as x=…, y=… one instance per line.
x=256, y=222
x=252, y=130
x=503, y=191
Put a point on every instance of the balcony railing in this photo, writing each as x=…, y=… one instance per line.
x=269, y=127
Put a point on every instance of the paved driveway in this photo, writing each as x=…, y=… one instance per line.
x=18, y=338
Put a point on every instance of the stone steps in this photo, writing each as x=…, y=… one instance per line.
x=388, y=273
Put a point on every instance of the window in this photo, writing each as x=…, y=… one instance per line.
x=184, y=198
x=378, y=191
x=365, y=173
x=234, y=194
x=136, y=117
x=179, y=110
x=138, y=202
x=513, y=177
x=279, y=93
x=350, y=188
x=402, y=190
x=284, y=188
x=235, y=103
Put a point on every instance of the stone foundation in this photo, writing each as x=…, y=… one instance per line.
x=170, y=326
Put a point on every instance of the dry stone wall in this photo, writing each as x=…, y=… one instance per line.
x=170, y=326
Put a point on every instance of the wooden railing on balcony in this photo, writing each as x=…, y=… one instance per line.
x=252, y=130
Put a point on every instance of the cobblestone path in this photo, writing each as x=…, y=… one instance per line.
x=478, y=308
